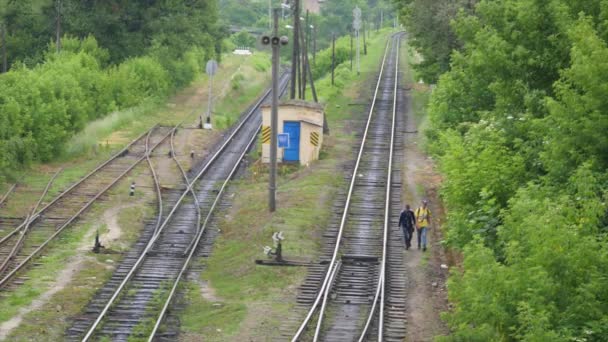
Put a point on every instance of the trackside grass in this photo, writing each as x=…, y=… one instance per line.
x=250, y=302
x=58, y=303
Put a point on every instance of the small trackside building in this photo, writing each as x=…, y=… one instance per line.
x=302, y=121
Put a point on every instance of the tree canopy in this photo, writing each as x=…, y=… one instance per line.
x=518, y=123
x=114, y=55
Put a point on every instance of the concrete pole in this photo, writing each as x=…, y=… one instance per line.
x=364, y=42
x=357, y=37
x=351, y=50
x=274, y=118
x=209, y=106
x=314, y=44
x=58, y=28
x=333, y=56
x=295, y=51
x=3, y=37
x=305, y=38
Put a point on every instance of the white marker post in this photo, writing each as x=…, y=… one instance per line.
x=211, y=69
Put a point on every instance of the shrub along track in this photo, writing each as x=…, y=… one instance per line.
x=358, y=290
x=33, y=235
x=134, y=302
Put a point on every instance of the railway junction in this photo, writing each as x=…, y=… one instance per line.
x=348, y=284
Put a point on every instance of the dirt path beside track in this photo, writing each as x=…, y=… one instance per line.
x=427, y=271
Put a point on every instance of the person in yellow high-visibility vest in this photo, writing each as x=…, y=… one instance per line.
x=423, y=221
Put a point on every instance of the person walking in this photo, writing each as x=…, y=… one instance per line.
x=423, y=220
x=407, y=221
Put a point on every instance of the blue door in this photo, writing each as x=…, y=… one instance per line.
x=292, y=153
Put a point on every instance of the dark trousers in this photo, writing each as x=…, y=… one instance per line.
x=408, y=233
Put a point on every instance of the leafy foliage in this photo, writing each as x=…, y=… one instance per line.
x=42, y=107
x=116, y=54
x=518, y=123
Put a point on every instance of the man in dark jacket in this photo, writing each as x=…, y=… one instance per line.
x=407, y=221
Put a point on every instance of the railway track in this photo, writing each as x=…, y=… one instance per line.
x=10, y=245
x=357, y=293
x=8, y=221
x=6, y=194
x=35, y=233
x=135, y=301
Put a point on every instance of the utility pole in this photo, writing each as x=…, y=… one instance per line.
x=58, y=9
x=351, y=50
x=305, y=39
x=314, y=44
x=314, y=92
x=274, y=117
x=295, y=51
x=275, y=41
x=357, y=27
x=269, y=14
x=364, y=43
x=211, y=70
x=333, y=56
x=357, y=33
x=299, y=59
x=3, y=38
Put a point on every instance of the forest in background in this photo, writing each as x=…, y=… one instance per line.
x=518, y=123
x=113, y=55
x=335, y=18
x=117, y=54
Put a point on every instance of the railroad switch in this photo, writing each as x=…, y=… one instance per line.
x=277, y=253
x=98, y=246
x=277, y=237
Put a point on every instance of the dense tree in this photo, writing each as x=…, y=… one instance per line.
x=147, y=49
x=518, y=122
x=429, y=23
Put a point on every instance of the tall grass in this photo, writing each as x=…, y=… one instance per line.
x=92, y=136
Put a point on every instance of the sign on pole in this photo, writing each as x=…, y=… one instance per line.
x=211, y=70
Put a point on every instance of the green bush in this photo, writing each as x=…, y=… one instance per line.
x=519, y=129
x=42, y=107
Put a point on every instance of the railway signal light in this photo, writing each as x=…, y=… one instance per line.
x=267, y=40
x=276, y=43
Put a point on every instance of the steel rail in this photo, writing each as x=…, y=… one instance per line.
x=346, y=206
x=153, y=239
x=200, y=235
x=156, y=182
x=69, y=221
x=334, y=272
x=8, y=192
x=196, y=201
x=19, y=242
x=84, y=178
x=379, y=296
